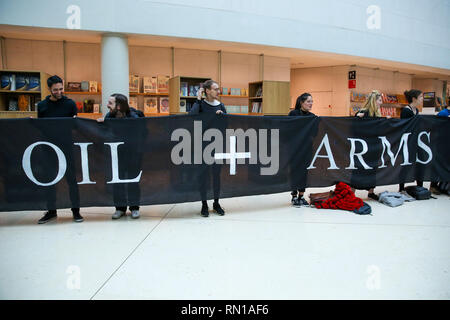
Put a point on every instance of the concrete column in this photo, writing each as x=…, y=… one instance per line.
x=115, y=67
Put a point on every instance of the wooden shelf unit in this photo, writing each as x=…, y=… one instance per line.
x=86, y=93
x=35, y=96
x=231, y=96
x=149, y=94
x=174, y=92
x=396, y=105
x=275, y=97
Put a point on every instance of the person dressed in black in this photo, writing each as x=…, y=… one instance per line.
x=129, y=192
x=303, y=107
x=56, y=105
x=371, y=109
x=415, y=99
x=212, y=105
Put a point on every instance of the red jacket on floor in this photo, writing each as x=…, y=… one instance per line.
x=344, y=199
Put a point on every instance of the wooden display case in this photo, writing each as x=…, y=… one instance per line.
x=175, y=94
x=34, y=96
x=274, y=97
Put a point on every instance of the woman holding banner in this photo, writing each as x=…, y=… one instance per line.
x=210, y=105
x=371, y=109
x=303, y=107
x=415, y=99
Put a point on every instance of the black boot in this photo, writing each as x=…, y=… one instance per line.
x=217, y=208
x=205, y=210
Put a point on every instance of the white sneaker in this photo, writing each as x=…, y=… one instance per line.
x=135, y=214
x=118, y=214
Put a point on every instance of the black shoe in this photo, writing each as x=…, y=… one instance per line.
x=303, y=202
x=205, y=211
x=77, y=217
x=296, y=202
x=47, y=217
x=217, y=208
x=373, y=196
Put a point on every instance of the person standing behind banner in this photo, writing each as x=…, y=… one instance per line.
x=415, y=99
x=303, y=107
x=56, y=105
x=210, y=104
x=371, y=110
x=120, y=109
x=434, y=186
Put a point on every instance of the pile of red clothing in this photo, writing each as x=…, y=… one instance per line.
x=344, y=198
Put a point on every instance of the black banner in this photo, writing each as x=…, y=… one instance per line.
x=65, y=162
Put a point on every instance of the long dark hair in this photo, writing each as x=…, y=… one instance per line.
x=121, y=104
x=302, y=98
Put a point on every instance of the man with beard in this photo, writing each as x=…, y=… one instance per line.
x=56, y=105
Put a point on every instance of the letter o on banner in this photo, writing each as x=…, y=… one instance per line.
x=26, y=163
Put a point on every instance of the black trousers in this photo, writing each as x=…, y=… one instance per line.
x=209, y=171
x=70, y=178
x=295, y=192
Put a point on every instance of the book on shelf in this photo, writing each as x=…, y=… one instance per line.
x=150, y=84
x=80, y=106
x=133, y=102
x=5, y=82
x=134, y=84
x=88, y=105
x=259, y=92
x=85, y=86
x=164, y=105
x=235, y=91
x=93, y=86
x=96, y=108
x=13, y=104
x=21, y=82
x=225, y=91
x=244, y=109
x=163, y=84
x=24, y=102
x=151, y=105
x=257, y=107
x=73, y=86
x=183, y=89
x=193, y=89
x=183, y=105
x=35, y=84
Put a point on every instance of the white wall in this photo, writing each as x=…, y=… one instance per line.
x=411, y=31
x=384, y=81
x=328, y=87
x=429, y=85
x=35, y=55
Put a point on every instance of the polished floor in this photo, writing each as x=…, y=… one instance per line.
x=263, y=248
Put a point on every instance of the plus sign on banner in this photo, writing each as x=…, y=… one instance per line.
x=233, y=155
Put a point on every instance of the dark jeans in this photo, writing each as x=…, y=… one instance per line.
x=124, y=209
x=208, y=172
x=294, y=193
x=74, y=210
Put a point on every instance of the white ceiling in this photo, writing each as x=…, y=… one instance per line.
x=299, y=58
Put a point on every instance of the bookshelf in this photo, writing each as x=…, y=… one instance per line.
x=175, y=92
x=33, y=97
x=391, y=107
x=273, y=96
